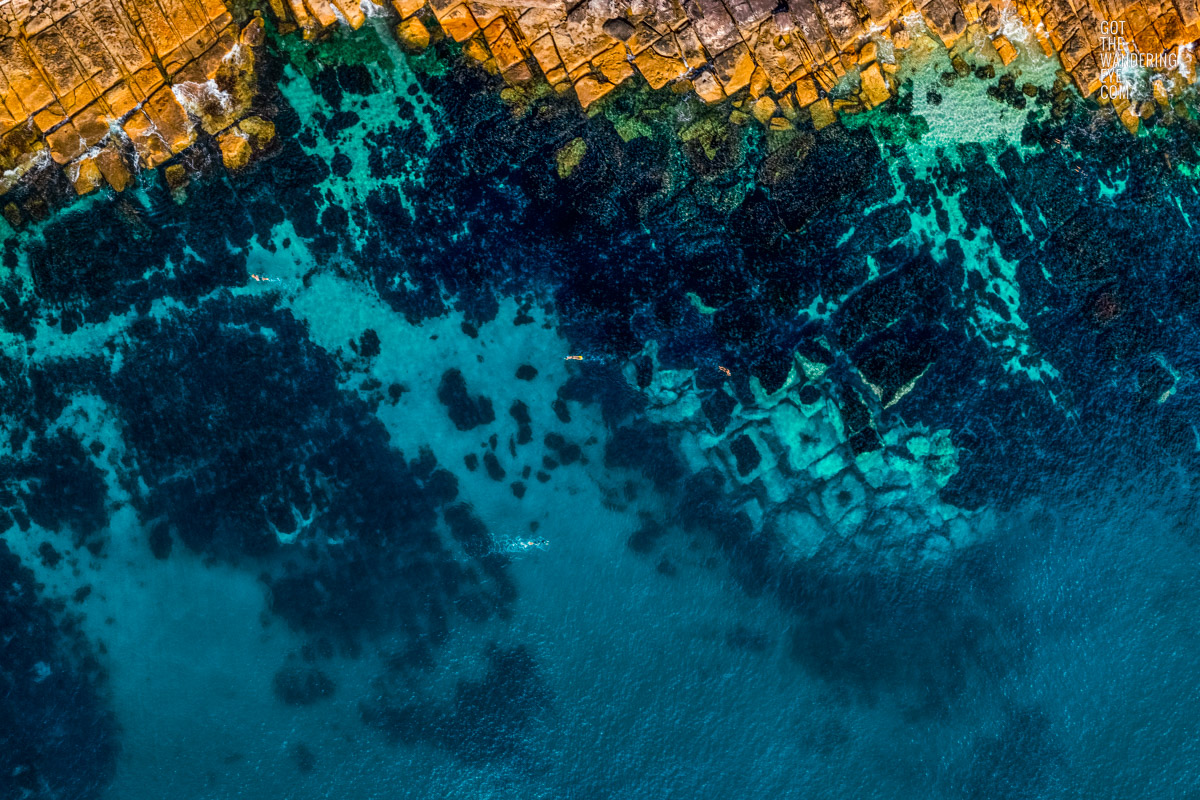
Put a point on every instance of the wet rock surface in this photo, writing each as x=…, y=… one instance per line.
x=106, y=88
x=782, y=62
x=97, y=91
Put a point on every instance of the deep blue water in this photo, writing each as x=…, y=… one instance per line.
x=407, y=464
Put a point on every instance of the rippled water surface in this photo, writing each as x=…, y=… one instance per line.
x=410, y=463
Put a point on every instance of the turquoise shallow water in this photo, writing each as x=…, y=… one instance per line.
x=855, y=464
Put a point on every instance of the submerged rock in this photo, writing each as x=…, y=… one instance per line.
x=301, y=686
x=819, y=495
x=465, y=412
x=59, y=739
x=235, y=149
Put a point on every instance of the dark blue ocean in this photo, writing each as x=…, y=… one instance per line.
x=469, y=446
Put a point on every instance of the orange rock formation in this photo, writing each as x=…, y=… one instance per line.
x=106, y=86
x=103, y=87
x=790, y=50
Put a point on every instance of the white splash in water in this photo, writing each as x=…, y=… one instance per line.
x=194, y=97
x=515, y=546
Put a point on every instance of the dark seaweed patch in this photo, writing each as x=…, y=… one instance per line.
x=520, y=412
x=646, y=448
x=644, y=539
x=296, y=685
x=240, y=434
x=1022, y=760
x=746, y=454
x=487, y=719
x=492, y=464
x=160, y=541
x=465, y=412
x=304, y=758
x=57, y=736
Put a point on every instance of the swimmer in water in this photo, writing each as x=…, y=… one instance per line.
x=514, y=545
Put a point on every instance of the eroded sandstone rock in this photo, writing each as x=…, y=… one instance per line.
x=235, y=149
x=107, y=86
x=794, y=53
x=413, y=34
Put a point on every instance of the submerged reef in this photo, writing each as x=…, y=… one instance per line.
x=485, y=720
x=270, y=460
x=819, y=481
x=432, y=327
x=96, y=90
x=857, y=267
x=792, y=309
x=57, y=736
